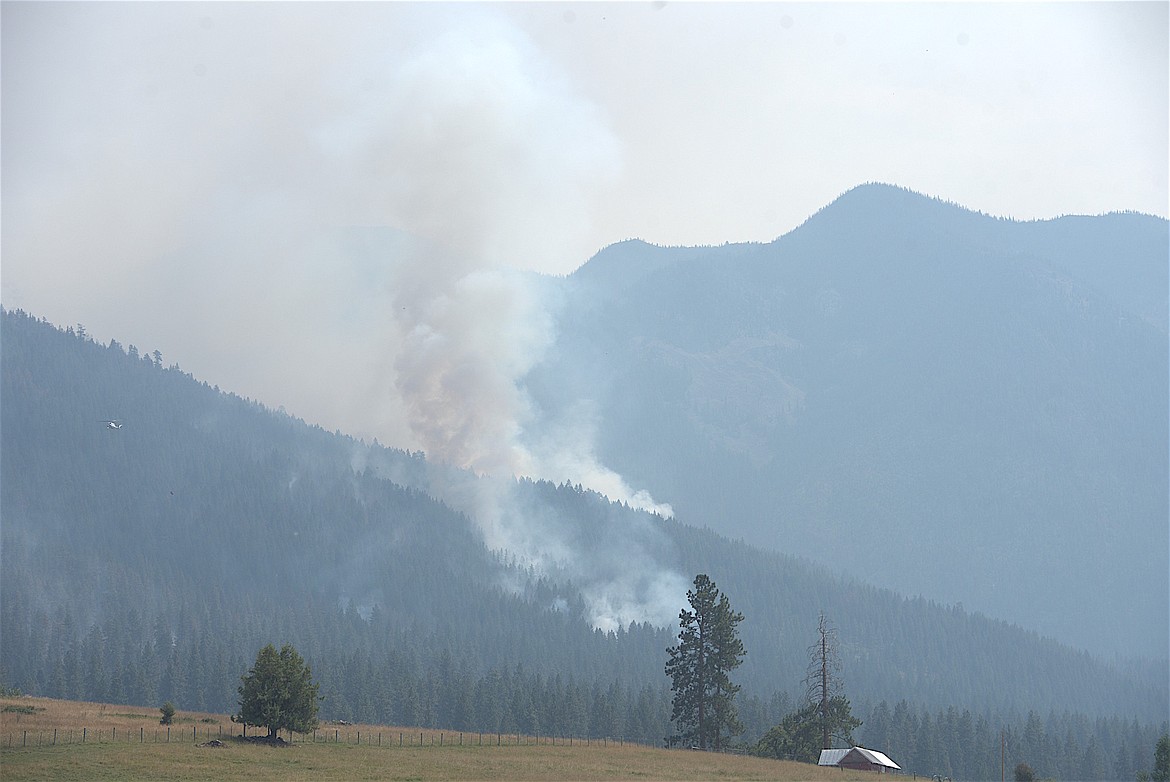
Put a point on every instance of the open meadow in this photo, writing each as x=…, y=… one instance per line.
x=45, y=739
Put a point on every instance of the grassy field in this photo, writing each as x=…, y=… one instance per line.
x=127, y=743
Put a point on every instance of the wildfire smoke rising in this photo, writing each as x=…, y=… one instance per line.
x=194, y=181
x=494, y=147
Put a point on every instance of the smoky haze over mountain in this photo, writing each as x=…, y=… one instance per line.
x=483, y=156
x=466, y=331
x=150, y=562
x=507, y=452
x=928, y=398
x=923, y=397
x=176, y=181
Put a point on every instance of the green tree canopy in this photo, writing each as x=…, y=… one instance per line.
x=1161, y=771
x=278, y=693
x=1024, y=773
x=708, y=649
x=799, y=735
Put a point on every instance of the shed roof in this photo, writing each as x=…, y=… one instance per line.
x=832, y=757
x=878, y=758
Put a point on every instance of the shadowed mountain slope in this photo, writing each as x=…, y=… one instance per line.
x=151, y=562
x=923, y=397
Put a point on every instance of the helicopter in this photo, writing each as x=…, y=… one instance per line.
x=112, y=424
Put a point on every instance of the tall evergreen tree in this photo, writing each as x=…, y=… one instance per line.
x=729, y=653
x=709, y=648
x=1161, y=771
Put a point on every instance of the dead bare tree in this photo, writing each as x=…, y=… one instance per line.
x=823, y=681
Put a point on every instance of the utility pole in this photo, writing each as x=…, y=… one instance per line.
x=824, y=686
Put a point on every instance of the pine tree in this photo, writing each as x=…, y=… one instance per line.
x=1161, y=771
x=709, y=648
x=729, y=652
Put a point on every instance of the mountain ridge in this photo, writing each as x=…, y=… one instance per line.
x=943, y=381
x=238, y=523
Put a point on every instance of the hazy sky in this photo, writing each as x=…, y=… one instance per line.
x=167, y=167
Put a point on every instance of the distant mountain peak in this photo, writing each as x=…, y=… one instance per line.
x=879, y=207
x=883, y=197
x=620, y=265
x=885, y=193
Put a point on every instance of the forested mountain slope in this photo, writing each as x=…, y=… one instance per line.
x=926, y=398
x=152, y=561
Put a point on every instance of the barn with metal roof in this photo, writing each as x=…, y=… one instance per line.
x=858, y=759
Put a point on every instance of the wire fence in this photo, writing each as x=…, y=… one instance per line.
x=42, y=737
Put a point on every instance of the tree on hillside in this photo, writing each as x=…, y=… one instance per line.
x=823, y=681
x=798, y=736
x=1161, y=772
x=826, y=714
x=825, y=691
x=278, y=693
x=709, y=648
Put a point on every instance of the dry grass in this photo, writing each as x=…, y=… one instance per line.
x=40, y=716
x=135, y=755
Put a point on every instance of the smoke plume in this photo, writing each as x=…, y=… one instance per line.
x=488, y=148
x=207, y=179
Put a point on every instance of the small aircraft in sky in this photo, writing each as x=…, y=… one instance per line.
x=115, y=424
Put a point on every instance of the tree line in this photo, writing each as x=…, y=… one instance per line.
x=278, y=694
x=202, y=493
x=951, y=744
x=148, y=564
x=412, y=681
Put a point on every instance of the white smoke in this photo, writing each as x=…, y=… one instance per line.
x=484, y=148
x=203, y=174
